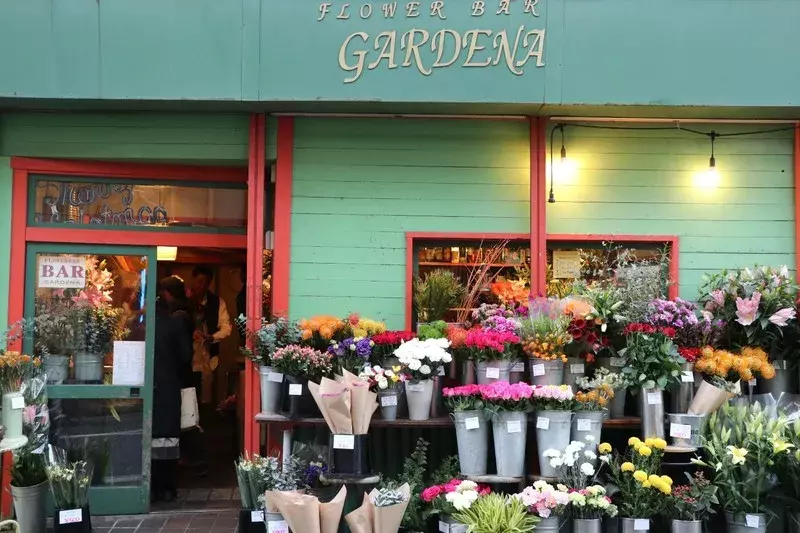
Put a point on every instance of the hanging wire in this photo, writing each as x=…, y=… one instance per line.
x=677, y=126
x=560, y=128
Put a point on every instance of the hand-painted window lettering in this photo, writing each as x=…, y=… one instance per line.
x=436, y=9
x=478, y=8
x=412, y=9
x=504, y=8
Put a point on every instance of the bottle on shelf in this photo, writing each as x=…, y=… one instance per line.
x=438, y=254
x=446, y=255
x=455, y=255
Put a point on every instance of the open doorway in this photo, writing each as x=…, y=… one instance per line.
x=205, y=474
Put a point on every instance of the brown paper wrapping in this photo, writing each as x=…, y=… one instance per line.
x=300, y=511
x=388, y=519
x=360, y=520
x=364, y=403
x=708, y=399
x=313, y=388
x=330, y=514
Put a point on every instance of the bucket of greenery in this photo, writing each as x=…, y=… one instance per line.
x=497, y=513
x=436, y=294
x=69, y=482
x=29, y=490
x=54, y=339
x=255, y=476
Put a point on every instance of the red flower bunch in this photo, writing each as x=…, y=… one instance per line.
x=588, y=332
x=463, y=390
x=647, y=329
x=489, y=339
x=392, y=337
x=469, y=489
x=457, y=337
x=690, y=354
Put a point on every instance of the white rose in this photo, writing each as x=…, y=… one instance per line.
x=446, y=358
x=414, y=364
x=435, y=357
x=467, y=485
x=587, y=469
x=425, y=369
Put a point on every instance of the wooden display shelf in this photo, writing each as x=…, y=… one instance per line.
x=446, y=264
x=489, y=479
x=441, y=421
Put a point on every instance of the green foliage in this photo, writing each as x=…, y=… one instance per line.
x=436, y=294
x=434, y=330
x=495, y=513
x=651, y=360
x=28, y=469
x=448, y=469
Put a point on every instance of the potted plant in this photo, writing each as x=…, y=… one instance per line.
x=472, y=428
x=653, y=364
x=508, y=404
x=421, y=360
x=590, y=409
x=493, y=351
x=447, y=499
x=387, y=383
x=587, y=508
x=15, y=368
x=642, y=492
x=299, y=364
x=351, y=354
x=69, y=483
x=495, y=513
x=546, y=502
x=543, y=340
x=743, y=448
x=29, y=490
x=54, y=338
x=551, y=405
x=264, y=341
x=435, y=294
x=690, y=505
x=255, y=476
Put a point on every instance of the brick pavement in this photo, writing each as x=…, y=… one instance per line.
x=170, y=522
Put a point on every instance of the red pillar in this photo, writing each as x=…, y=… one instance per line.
x=538, y=165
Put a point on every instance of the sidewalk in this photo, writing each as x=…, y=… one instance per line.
x=171, y=522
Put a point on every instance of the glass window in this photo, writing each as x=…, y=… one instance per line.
x=90, y=309
x=106, y=432
x=139, y=204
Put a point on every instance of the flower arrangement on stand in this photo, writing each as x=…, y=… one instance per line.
x=299, y=365
x=552, y=406
x=472, y=428
x=508, y=404
x=421, y=360
x=546, y=502
x=15, y=368
x=387, y=383
x=642, y=491
x=318, y=331
x=690, y=505
x=492, y=349
x=449, y=498
x=544, y=339
x=351, y=354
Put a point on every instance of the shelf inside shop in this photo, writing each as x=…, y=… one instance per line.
x=489, y=479
x=441, y=421
x=445, y=264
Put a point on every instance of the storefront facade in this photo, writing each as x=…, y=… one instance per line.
x=384, y=122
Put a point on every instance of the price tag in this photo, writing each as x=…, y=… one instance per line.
x=576, y=369
x=415, y=387
x=680, y=431
x=513, y=426
x=654, y=398
x=344, y=442
x=584, y=424
x=277, y=526
x=492, y=372
x=542, y=423
x=257, y=516
x=751, y=520
x=752, y=383
x=687, y=376
x=71, y=516
x=641, y=524
x=18, y=402
x=388, y=401
x=296, y=389
x=618, y=362
x=275, y=377
x=441, y=371
x=458, y=528
x=519, y=366
x=444, y=527
x=537, y=370
x=472, y=422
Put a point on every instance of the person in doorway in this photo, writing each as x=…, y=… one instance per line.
x=173, y=353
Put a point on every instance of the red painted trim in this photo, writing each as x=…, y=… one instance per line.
x=134, y=238
x=409, y=278
x=797, y=200
x=130, y=170
x=465, y=235
x=538, y=205
x=283, y=215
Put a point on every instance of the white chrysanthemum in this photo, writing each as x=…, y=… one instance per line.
x=551, y=453
x=425, y=369
x=589, y=454
x=587, y=469
x=414, y=364
x=556, y=462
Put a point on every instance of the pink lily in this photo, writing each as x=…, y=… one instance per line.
x=783, y=316
x=746, y=309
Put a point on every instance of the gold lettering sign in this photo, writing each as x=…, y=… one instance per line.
x=425, y=50
x=566, y=264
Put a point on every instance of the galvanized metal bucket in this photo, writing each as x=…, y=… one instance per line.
x=682, y=424
x=510, y=430
x=746, y=523
x=419, y=396
x=546, y=372
x=552, y=433
x=652, y=402
x=271, y=389
x=687, y=526
x=587, y=525
x=472, y=436
x=491, y=371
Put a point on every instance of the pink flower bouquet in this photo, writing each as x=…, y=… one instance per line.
x=490, y=344
x=552, y=398
x=453, y=496
x=543, y=500
x=464, y=398
x=502, y=396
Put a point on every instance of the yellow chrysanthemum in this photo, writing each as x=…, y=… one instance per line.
x=604, y=448
x=640, y=476
x=633, y=441
x=650, y=442
x=654, y=479
x=627, y=467
x=667, y=480
x=646, y=484
x=644, y=451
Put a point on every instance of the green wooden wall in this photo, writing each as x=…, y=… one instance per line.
x=642, y=182
x=360, y=184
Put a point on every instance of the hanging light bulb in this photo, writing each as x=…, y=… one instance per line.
x=709, y=178
x=563, y=169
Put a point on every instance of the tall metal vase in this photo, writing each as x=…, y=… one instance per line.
x=552, y=432
x=634, y=525
x=781, y=383
x=546, y=372
x=472, y=437
x=682, y=394
x=652, y=402
x=587, y=525
x=510, y=430
x=687, y=526
x=746, y=523
x=573, y=370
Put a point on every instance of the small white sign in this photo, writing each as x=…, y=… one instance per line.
x=472, y=422
x=687, y=376
x=654, y=398
x=344, y=442
x=641, y=524
x=780, y=364
x=277, y=526
x=492, y=372
x=617, y=362
x=388, y=401
x=584, y=424
x=458, y=528
x=752, y=383
x=18, y=402
x=71, y=516
x=576, y=369
x=537, y=370
x=542, y=423
x=275, y=377
x=296, y=389
x=415, y=387
x=61, y=272
x=444, y=527
x=752, y=520
x=256, y=516
x=129, y=358
x=441, y=371
x=519, y=366
x=680, y=431
x=513, y=426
